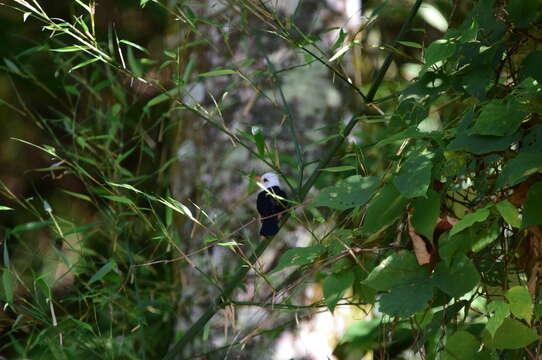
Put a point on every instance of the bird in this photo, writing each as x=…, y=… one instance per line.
x=272, y=200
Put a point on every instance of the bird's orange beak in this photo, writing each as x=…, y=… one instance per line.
x=258, y=179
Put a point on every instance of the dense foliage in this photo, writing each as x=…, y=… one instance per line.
x=421, y=211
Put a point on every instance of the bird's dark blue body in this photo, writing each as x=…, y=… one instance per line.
x=268, y=207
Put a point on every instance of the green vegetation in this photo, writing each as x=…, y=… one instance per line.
x=132, y=132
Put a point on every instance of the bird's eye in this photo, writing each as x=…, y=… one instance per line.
x=264, y=180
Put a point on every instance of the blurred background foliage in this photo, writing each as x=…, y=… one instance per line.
x=131, y=134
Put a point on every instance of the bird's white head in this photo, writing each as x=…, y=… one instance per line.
x=269, y=180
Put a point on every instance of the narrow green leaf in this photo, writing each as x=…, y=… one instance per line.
x=339, y=168
x=7, y=281
x=410, y=44
x=83, y=64
x=78, y=195
x=168, y=95
x=104, y=270
x=134, y=45
x=217, y=73
x=5, y=208
x=119, y=199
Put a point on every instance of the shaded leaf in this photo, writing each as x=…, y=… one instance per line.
x=339, y=168
x=407, y=299
x=398, y=268
x=458, y=278
x=499, y=118
x=426, y=213
x=104, y=270
x=519, y=168
x=384, y=208
x=348, y=193
x=334, y=287
x=532, y=208
x=439, y=50
x=300, y=256
x=414, y=176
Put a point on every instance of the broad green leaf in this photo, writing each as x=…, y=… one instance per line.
x=512, y=334
x=470, y=219
x=532, y=208
x=414, y=176
x=485, y=235
x=384, y=208
x=481, y=144
x=499, y=118
x=509, y=213
x=461, y=345
x=519, y=168
x=407, y=299
x=474, y=239
x=217, y=73
x=439, y=50
x=500, y=311
x=426, y=213
x=300, y=256
x=339, y=168
x=348, y=193
x=398, y=268
x=334, y=287
x=520, y=303
x=458, y=278
x=104, y=270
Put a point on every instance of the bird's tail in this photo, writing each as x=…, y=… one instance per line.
x=270, y=227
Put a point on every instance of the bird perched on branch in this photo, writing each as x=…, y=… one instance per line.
x=271, y=202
